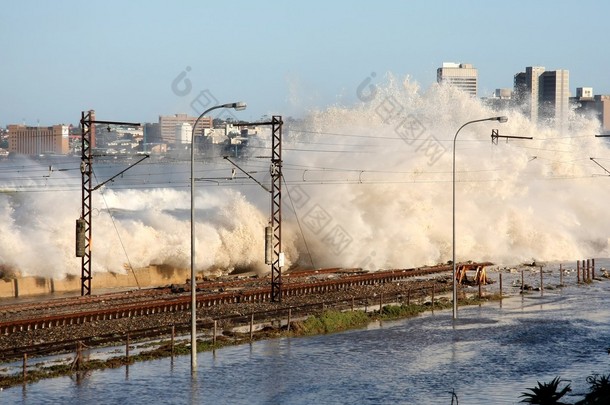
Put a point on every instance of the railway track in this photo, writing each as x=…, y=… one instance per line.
x=80, y=310
x=57, y=304
x=178, y=329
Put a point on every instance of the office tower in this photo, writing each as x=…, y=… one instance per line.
x=527, y=90
x=464, y=76
x=554, y=96
x=543, y=95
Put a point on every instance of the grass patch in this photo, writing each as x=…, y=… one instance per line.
x=329, y=322
x=402, y=311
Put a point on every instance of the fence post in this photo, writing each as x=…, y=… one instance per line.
x=78, y=355
x=593, y=268
x=433, y=297
x=522, y=281
x=500, y=274
x=380, y=303
x=251, y=326
x=289, y=316
x=560, y=274
x=173, y=337
x=541, y=282
x=584, y=275
x=578, y=271
x=127, y=348
x=409, y=296
x=214, y=337
x=25, y=366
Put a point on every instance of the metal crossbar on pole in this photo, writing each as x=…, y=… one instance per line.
x=495, y=135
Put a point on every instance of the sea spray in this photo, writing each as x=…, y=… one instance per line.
x=515, y=201
x=365, y=185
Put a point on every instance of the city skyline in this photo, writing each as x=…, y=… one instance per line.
x=153, y=58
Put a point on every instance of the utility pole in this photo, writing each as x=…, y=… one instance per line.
x=274, y=246
x=277, y=260
x=83, y=224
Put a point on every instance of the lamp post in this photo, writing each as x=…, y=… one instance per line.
x=501, y=119
x=238, y=107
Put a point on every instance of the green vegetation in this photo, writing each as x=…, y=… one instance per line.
x=401, y=311
x=550, y=394
x=329, y=322
x=546, y=393
x=599, y=390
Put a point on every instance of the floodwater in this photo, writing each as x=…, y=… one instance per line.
x=489, y=355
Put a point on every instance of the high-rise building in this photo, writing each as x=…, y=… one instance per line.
x=555, y=96
x=527, y=90
x=38, y=140
x=543, y=94
x=169, y=123
x=464, y=76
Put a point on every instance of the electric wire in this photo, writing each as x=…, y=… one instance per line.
x=116, y=229
x=296, y=215
x=153, y=179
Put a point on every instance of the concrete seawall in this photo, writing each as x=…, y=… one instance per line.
x=152, y=276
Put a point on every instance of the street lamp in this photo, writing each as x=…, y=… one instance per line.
x=238, y=107
x=501, y=119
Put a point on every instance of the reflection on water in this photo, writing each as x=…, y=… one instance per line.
x=490, y=355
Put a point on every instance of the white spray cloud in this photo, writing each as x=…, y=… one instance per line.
x=371, y=186
x=515, y=201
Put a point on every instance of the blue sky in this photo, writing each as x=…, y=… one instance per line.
x=120, y=58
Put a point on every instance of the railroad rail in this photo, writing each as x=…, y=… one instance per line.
x=146, y=294
x=237, y=293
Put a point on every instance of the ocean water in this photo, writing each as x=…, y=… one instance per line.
x=489, y=355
